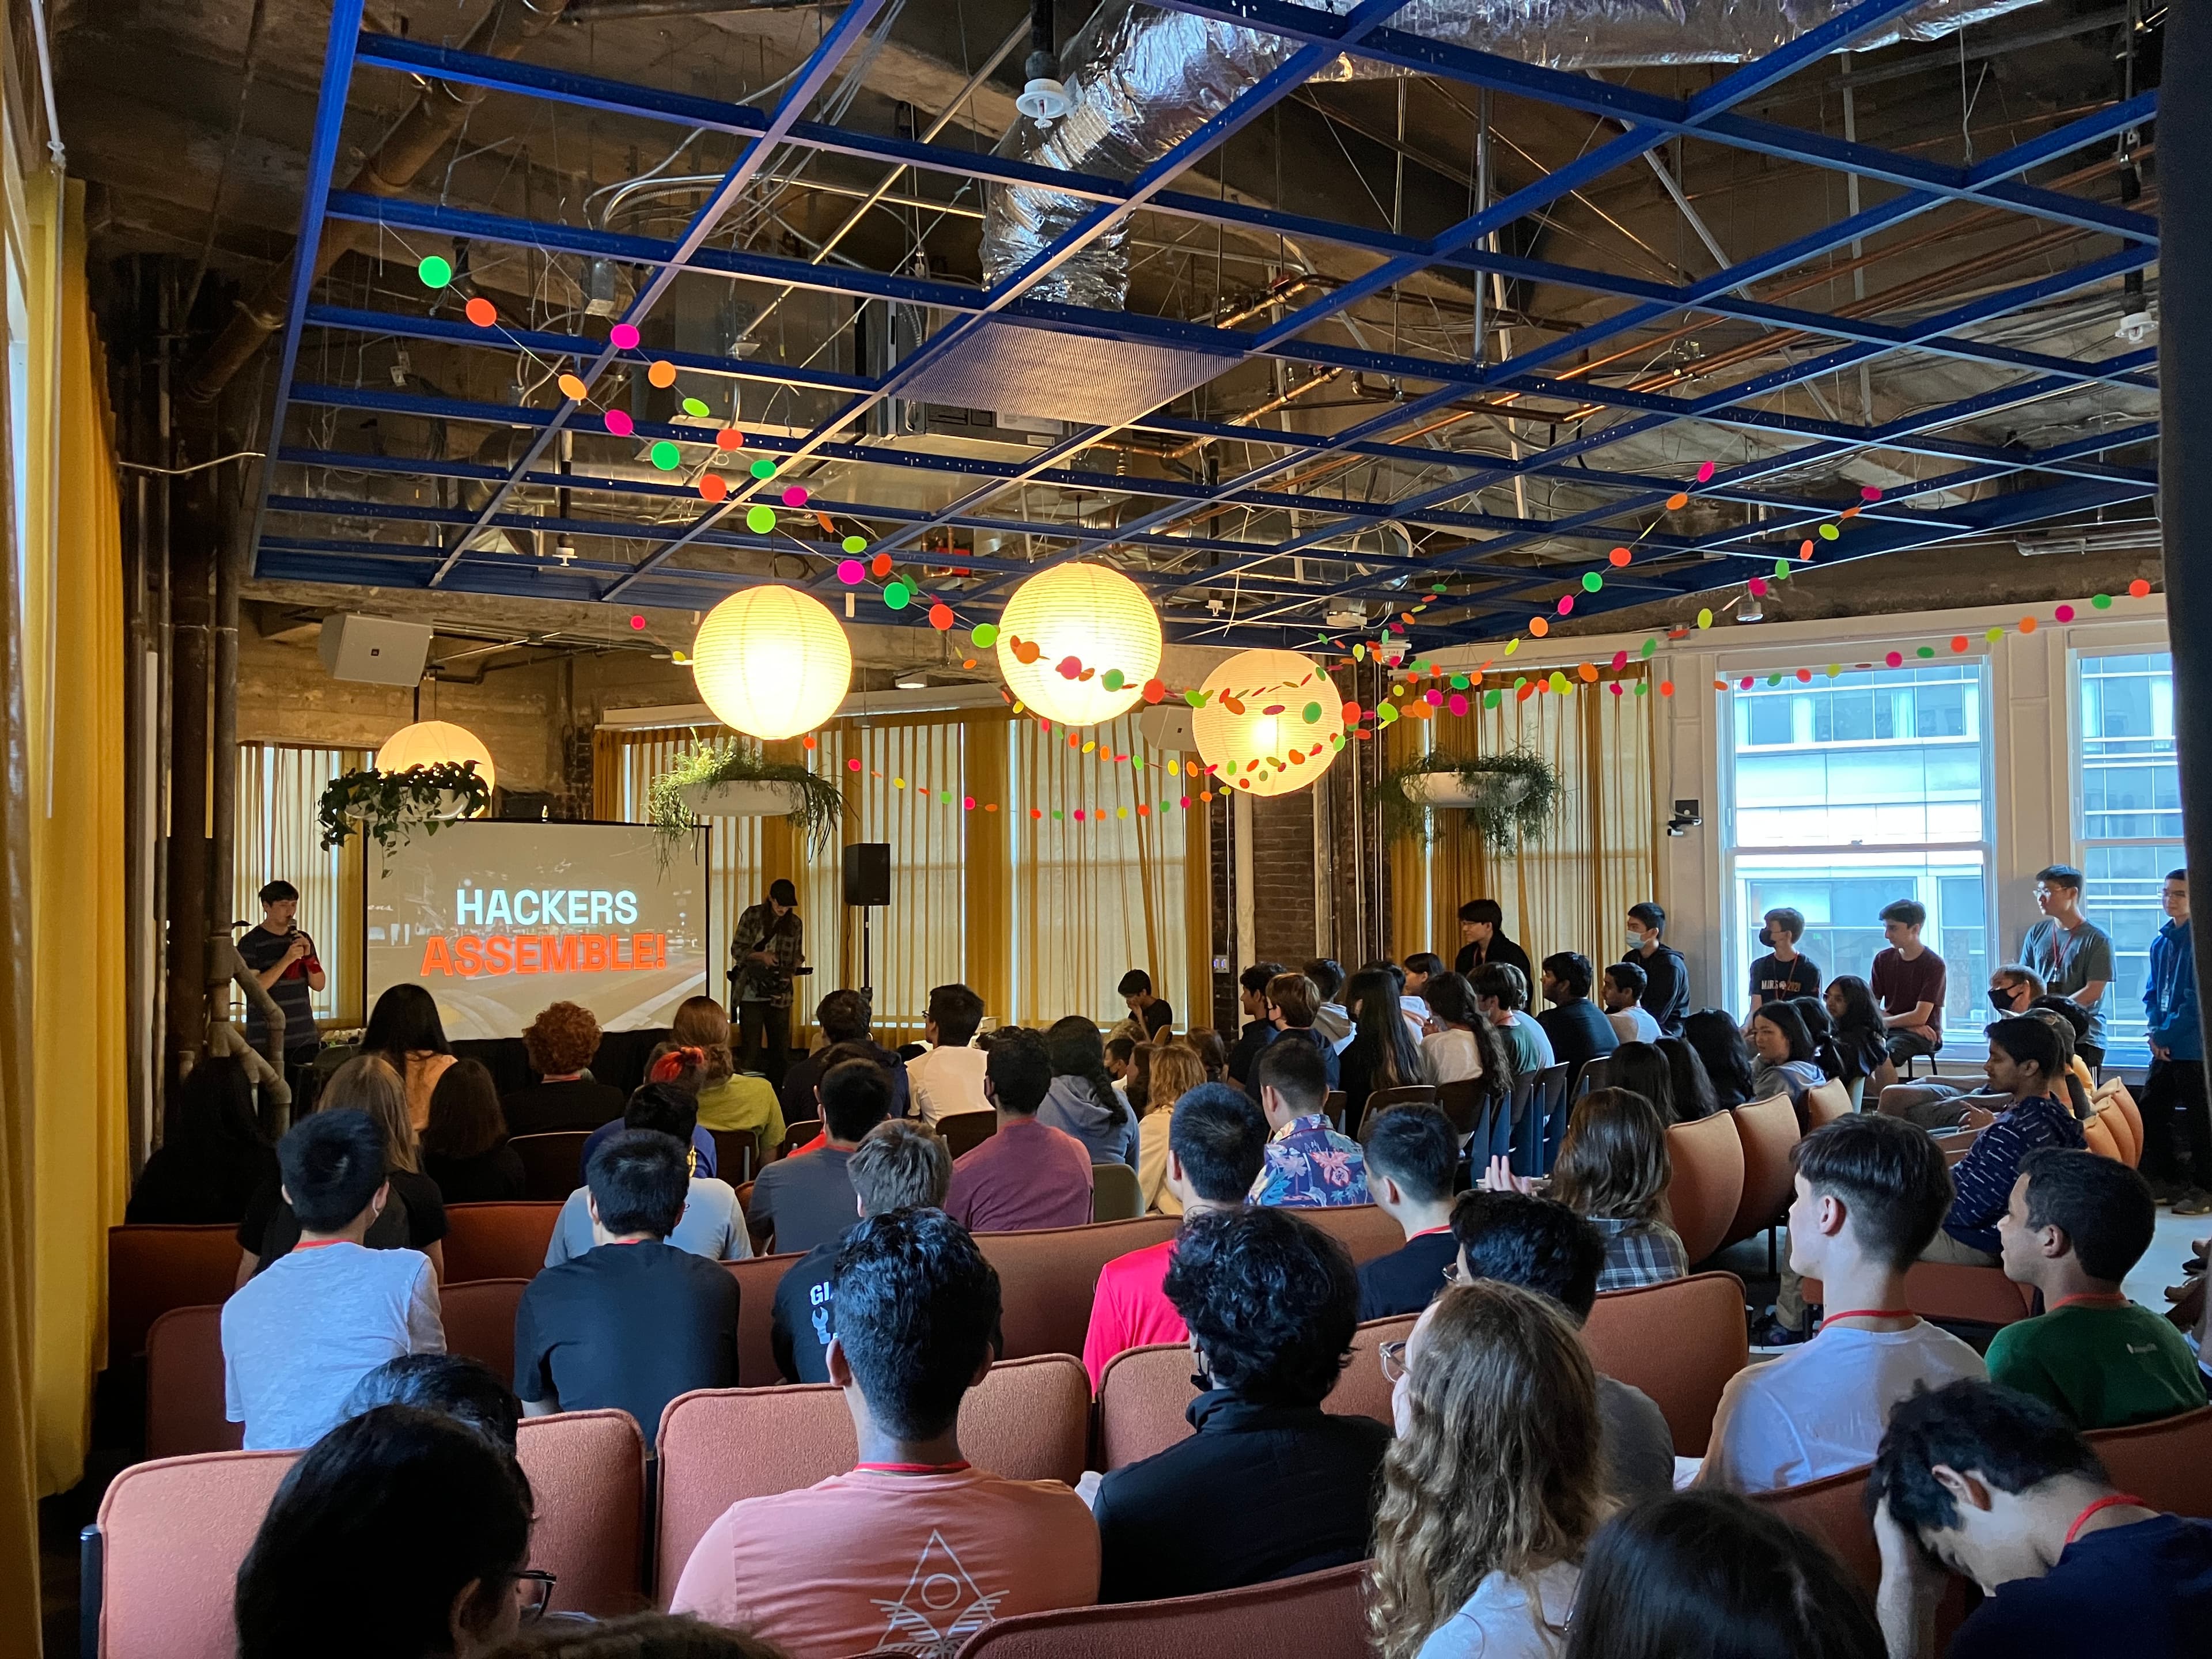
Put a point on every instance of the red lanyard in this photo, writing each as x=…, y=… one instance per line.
x=909, y=1468
x=1868, y=1313
x=1428, y=1232
x=2094, y=1298
x=319, y=1243
x=2114, y=1502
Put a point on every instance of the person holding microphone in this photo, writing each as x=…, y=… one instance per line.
x=284, y=959
x=767, y=950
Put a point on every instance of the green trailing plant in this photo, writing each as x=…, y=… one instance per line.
x=821, y=805
x=388, y=807
x=1504, y=819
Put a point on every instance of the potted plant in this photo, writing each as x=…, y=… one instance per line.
x=1511, y=796
x=387, y=807
x=738, y=780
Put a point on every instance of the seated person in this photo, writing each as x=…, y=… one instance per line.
x=913, y=1547
x=1152, y=1013
x=638, y=1636
x=635, y=1320
x=898, y=1165
x=842, y=1016
x=712, y=1226
x=1026, y=1175
x=1293, y=1005
x=213, y=1158
x=464, y=1146
x=2076, y=1226
x=949, y=1078
x=1085, y=1100
x=1460, y=1044
x=1871, y=1192
x=1174, y=1069
x=1331, y=1020
x=1939, y=1107
x=1411, y=1153
x=1309, y=1164
x=1491, y=1488
x=467, y=1390
x=1613, y=1169
x=1621, y=989
x=1997, y=1486
x=1215, y=1146
x=680, y=1069
x=1788, y=1063
x=2025, y=1065
x=1269, y=1485
x=732, y=1101
x=1501, y=995
x=1259, y=1029
x=304, y=1331
x=1908, y=980
x=1545, y=1246
x=804, y=1201
x=1727, y=1058
x=560, y=1042
x=1420, y=968
x=1578, y=1028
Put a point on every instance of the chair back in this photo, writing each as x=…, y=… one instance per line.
x=1362, y=1228
x=797, y=1134
x=1509, y=1128
x=1461, y=1102
x=736, y=1155
x=172, y=1533
x=2114, y=1094
x=552, y=1164
x=498, y=1240
x=757, y=1277
x=1597, y=1073
x=2168, y=1463
x=1768, y=1131
x=152, y=1269
x=587, y=1473
x=1834, y=1510
x=1824, y=1103
x=1954, y=1294
x=1047, y=1278
x=1115, y=1193
x=2098, y=1134
x=1549, y=1109
x=1320, y=1615
x=1332, y=1109
x=1707, y=1183
x=1028, y=1420
x=479, y=1321
x=1680, y=1342
x=185, y=1402
x=1144, y=1392
x=964, y=1132
x=1411, y=1094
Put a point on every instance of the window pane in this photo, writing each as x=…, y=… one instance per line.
x=2131, y=783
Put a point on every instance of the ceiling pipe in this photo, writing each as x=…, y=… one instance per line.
x=580, y=12
x=420, y=134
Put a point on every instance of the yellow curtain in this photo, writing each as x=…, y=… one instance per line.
x=279, y=836
x=1571, y=889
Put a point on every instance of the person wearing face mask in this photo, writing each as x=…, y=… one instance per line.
x=1666, y=975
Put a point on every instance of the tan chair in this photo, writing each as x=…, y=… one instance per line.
x=1824, y=1103
x=964, y=1132
x=1768, y=1131
x=1028, y=1420
x=757, y=1277
x=1707, y=1184
x=587, y=1473
x=185, y=1401
x=1834, y=1510
x=479, y=1321
x=172, y=1535
x=552, y=1164
x=1955, y=1294
x=1362, y=1228
x=1047, y=1278
x=1144, y=1393
x=1115, y=1193
x=495, y=1240
x=1680, y=1342
x=152, y=1269
x=1320, y=1615
x=2114, y=1095
x=2167, y=1464
x=2098, y=1132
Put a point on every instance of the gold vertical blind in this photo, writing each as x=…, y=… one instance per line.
x=280, y=838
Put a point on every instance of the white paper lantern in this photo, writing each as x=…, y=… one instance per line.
x=1271, y=723
x=772, y=662
x=433, y=742
x=1077, y=642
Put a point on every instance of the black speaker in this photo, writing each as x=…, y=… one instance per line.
x=868, y=873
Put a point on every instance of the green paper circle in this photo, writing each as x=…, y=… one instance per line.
x=1592, y=581
x=435, y=271
x=1650, y=646
x=1781, y=571
x=1490, y=699
x=2103, y=602
x=1459, y=682
x=897, y=594
x=695, y=408
x=1111, y=679
x=760, y=519
x=1925, y=651
x=986, y=635
x=666, y=456
x=1643, y=687
x=1439, y=588
x=1312, y=713
x=763, y=468
x=855, y=544
x=1829, y=533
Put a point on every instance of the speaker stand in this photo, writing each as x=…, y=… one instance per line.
x=867, y=973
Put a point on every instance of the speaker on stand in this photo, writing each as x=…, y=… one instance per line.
x=867, y=884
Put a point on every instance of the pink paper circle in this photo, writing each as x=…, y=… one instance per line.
x=794, y=496
x=1458, y=703
x=1566, y=603
x=849, y=571
x=1895, y=660
x=619, y=423
x=624, y=335
x=2065, y=613
x=1758, y=587
x=1434, y=698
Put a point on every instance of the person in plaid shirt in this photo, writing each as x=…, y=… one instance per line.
x=769, y=947
x=1309, y=1164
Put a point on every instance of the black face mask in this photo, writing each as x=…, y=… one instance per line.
x=2002, y=1000
x=1766, y=937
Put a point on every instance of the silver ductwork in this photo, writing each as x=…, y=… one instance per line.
x=1142, y=79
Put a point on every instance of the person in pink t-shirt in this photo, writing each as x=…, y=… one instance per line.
x=915, y=1548
x=1216, y=1144
x=1026, y=1175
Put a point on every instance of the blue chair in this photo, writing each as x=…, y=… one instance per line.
x=1508, y=1129
x=1556, y=1098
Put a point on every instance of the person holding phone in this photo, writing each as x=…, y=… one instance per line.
x=283, y=958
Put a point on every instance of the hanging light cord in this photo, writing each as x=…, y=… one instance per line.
x=197, y=466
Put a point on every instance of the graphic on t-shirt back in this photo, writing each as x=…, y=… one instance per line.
x=942, y=1607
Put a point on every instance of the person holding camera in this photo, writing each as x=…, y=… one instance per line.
x=283, y=958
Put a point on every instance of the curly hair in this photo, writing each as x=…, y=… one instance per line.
x=1497, y=1468
x=1271, y=1302
x=1176, y=1070
x=1613, y=1161
x=561, y=1039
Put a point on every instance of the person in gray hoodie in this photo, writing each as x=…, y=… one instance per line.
x=1083, y=1100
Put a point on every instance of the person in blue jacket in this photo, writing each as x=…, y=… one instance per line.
x=2176, y=1082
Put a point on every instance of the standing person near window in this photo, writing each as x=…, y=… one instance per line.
x=1908, y=981
x=768, y=948
x=2070, y=954
x=2176, y=1082
x=283, y=958
x=1666, y=974
x=1782, y=972
x=1483, y=941
x=405, y=1028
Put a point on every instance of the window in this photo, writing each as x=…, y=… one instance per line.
x=2128, y=821
x=1847, y=793
x=279, y=836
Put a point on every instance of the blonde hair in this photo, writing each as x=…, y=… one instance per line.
x=1177, y=1070
x=367, y=1083
x=1613, y=1162
x=1497, y=1469
x=701, y=1024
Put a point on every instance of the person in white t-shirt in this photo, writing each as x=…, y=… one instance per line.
x=948, y=1078
x=1871, y=1192
x=299, y=1334
x=1621, y=990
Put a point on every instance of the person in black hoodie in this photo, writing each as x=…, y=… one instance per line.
x=1259, y=1030
x=212, y=1160
x=1482, y=933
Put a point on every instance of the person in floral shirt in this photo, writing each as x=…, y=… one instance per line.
x=1309, y=1164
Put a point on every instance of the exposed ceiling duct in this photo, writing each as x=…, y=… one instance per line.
x=1141, y=80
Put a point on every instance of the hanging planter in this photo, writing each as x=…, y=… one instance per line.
x=389, y=807
x=743, y=798
x=738, y=780
x=1511, y=797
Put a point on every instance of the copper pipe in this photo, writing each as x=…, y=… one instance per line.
x=1267, y=408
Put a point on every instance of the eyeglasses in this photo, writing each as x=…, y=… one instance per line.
x=1393, y=1356
x=1451, y=1274
x=534, y=1589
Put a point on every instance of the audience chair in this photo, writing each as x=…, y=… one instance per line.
x=757, y=1277
x=1144, y=1393
x=1549, y=1113
x=1707, y=1183
x=2102, y=1141
x=1680, y=1342
x=1834, y=1509
x=1461, y=1104
x=552, y=1164
x=479, y=1321
x=152, y=1269
x=161, y=1564
x=964, y=1132
x=2168, y=1463
x=1768, y=1131
x=1824, y=1103
x=1951, y=1294
x=1115, y=1193
x=1597, y=1073
x=587, y=1473
x=2113, y=1095
x=496, y=1241
x=1415, y=1094
x=1506, y=1125
x=1028, y=1420
x=1855, y=1091
x=1047, y=1277
x=185, y=1400
x=736, y=1155
x=1362, y=1228
x=1320, y=1615
x=796, y=1135
x=1332, y=1109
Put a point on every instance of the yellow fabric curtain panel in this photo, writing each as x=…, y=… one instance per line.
x=1568, y=891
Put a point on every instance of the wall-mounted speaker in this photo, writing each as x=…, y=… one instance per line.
x=868, y=873
x=375, y=650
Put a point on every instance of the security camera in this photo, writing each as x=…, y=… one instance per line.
x=1686, y=818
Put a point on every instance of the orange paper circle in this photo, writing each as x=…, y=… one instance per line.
x=574, y=388
x=662, y=373
x=481, y=312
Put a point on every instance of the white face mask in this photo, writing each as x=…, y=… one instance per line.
x=1635, y=940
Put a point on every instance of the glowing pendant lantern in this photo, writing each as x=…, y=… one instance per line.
x=1076, y=643
x=433, y=742
x=772, y=662
x=1271, y=723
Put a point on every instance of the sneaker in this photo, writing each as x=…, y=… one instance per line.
x=1772, y=1333
x=2195, y=1201
x=2164, y=1193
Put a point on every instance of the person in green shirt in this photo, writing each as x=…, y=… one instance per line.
x=2077, y=1224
